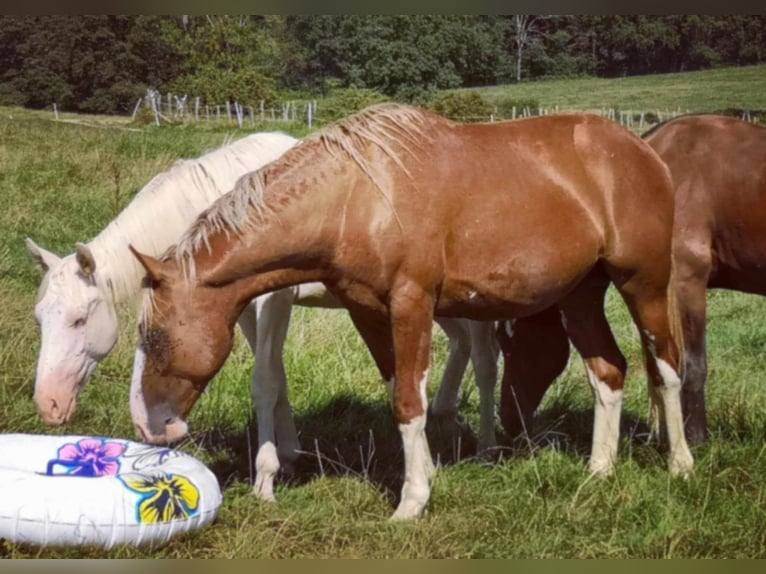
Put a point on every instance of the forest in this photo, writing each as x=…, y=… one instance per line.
x=102, y=64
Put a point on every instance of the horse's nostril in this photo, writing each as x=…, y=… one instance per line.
x=54, y=407
x=168, y=420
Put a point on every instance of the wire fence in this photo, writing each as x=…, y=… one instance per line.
x=171, y=109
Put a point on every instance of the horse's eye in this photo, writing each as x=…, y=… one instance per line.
x=79, y=323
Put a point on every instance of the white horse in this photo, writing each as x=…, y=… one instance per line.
x=77, y=303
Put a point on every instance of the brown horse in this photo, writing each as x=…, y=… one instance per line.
x=719, y=168
x=405, y=215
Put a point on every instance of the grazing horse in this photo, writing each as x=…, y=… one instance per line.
x=78, y=298
x=718, y=165
x=404, y=216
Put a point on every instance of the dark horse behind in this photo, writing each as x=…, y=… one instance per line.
x=718, y=166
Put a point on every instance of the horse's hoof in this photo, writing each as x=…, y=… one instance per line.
x=682, y=466
x=408, y=510
x=601, y=469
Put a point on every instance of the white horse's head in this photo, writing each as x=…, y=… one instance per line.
x=78, y=324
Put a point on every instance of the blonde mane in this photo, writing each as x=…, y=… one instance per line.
x=166, y=206
x=392, y=128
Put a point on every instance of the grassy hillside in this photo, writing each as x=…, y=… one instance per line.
x=62, y=182
x=708, y=90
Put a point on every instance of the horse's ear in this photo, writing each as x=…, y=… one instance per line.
x=152, y=266
x=85, y=260
x=45, y=259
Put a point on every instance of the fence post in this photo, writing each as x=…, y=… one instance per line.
x=154, y=104
x=252, y=120
x=308, y=111
x=262, y=116
x=196, y=108
x=55, y=110
x=135, y=109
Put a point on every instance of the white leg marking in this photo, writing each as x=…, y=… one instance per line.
x=606, y=425
x=418, y=465
x=266, y=468
x=681, y=462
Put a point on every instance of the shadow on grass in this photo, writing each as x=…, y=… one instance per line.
x=348, y=436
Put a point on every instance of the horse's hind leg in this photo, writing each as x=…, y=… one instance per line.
x=649, y=305
x=484, y=352
x=445, y=402
x=587, y=327
x=474, y=340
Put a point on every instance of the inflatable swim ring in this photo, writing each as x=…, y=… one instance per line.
x=75, y=490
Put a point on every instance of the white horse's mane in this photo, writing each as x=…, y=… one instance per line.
x=169, y=203
x=386, y=126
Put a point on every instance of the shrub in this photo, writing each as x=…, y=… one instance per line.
x=461, y=106
x=503, y=106
x=10, y=96
x=216, y=86
x=344, y=102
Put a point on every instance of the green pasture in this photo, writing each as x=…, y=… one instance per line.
x=63, y=181
x=707, y=90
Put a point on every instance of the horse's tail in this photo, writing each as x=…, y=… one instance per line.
x=676, y=320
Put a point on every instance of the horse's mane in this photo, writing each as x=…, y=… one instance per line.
x=166, y=206
x=392, y=128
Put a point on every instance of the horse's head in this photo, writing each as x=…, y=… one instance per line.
x=185, y=337
x=78, y=326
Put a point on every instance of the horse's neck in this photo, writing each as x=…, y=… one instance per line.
x=151, y=223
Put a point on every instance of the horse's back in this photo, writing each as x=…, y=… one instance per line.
x=565, y=176
x=718, y=165
x=539, y=203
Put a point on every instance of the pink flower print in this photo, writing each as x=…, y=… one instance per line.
x=89, y=457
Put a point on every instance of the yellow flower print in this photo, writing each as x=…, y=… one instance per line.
x=164, y=497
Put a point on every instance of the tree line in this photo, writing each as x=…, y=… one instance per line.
x=102, y=64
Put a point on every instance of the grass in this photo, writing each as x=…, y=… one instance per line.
x=707, y=90
x=58, y=185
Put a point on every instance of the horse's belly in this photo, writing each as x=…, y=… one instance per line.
x=517, y=289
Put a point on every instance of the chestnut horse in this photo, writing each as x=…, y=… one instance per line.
x=78, y=299
x=404, y=216
x=718, y=165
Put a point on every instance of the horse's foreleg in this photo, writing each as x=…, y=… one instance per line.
x=265, y=324
x=459, y=335
x=411, y=322
x=484, y=352
x=692, y=275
